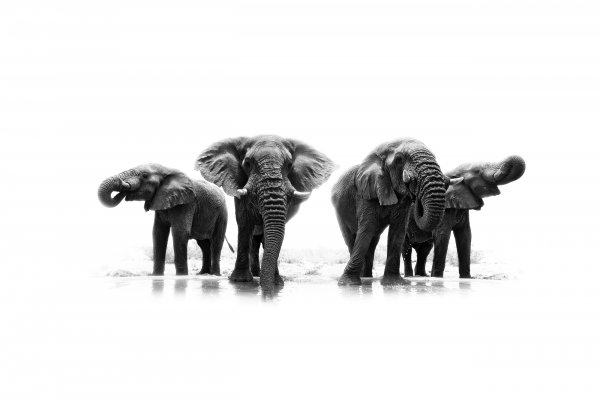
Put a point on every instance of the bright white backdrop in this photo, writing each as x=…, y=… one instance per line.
x=88, y=90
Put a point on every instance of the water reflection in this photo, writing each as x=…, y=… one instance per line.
x=218, y=286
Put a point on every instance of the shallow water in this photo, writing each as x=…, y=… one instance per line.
x=81, y=337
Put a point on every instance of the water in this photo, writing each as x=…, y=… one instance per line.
x=142, y=336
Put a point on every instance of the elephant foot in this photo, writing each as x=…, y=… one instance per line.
x=408, y=274
x=347, y=280
x=216, y=273
x=367, y=274
x=204, y=271
x=466, y=276
x=255, y=271
x=393, y=280
x=437, y=274
x=241, y=276
x=181, y=272
x=423, y=274
x=158, y=273
x=278, y=280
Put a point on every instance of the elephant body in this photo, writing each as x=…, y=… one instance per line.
x=377, y=194
x=470, y=184
x=188, y=209
x=269, y=176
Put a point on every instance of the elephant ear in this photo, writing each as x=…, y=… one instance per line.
x=175, y=189
x=221, y=164
x=374, y=182
x=310, y=168
x=460, y=196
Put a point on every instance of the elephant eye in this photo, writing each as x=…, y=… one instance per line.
x=145, y=175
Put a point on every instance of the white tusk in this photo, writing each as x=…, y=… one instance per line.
x=301, y=195
x=454, y=181
x=241, y=193
x=406, y=176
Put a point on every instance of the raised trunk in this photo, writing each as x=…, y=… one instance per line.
x=506, y=171
x=114, y=184
x=430, y=203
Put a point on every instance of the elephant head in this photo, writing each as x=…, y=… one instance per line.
x=474, y=181
x=405, y=167
x=268, y=172
x=159, y=187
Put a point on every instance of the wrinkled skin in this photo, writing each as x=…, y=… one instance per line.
x=190, y=209
x=269, y=176
x=378, y=193
x=468, y=184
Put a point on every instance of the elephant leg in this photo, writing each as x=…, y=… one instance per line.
x=462, y=237
x=367, y=271
x=396, y=236
x=180, y=241
x=423, y=250
x=407, y=256
x=364, y=236
x=255, y=243
x=215, y=257
x=205, y=246
x=160, y=238
x=241, y=271
x=440, y=249
x=278, y=278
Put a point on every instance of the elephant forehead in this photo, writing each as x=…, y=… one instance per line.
x=269, y=150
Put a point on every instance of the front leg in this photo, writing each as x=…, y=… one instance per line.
x=180, y=242
x=462, y=237
x=423, y=250
x=440, y=249
x=396, y=236
x=407, y=256
x=366, y=229
x=241, y=271
x=254, y=261
x=160, y=238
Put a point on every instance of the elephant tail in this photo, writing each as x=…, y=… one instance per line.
x=229, y=244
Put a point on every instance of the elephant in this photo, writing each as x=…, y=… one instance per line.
x=468, y=184
x=270, y=177
x=378, y=193
x=190, y=209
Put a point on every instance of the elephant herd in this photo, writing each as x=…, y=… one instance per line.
x=399, y=186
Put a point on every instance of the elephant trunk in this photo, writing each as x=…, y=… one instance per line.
x=114, y=184
x=272, y=201
x=506, y=171
x=430, y=202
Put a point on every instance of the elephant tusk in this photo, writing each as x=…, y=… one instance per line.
x=454, y=181
x=241, y=192
x=301, y=195
x=406, y=176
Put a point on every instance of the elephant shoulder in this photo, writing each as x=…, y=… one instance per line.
x=345, y=188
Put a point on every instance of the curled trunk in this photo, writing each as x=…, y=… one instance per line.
x=430, y=202
x=508, y=170
x=114, y=184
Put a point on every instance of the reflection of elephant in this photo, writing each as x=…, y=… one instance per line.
x=269, y=176
x=469, y=183
x=191, y=209
x=378, y=193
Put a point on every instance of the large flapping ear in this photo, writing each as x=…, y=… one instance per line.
x=221, y=164
x=373, y=180
x=174, y=190
x=310, y=168
x=459, y=195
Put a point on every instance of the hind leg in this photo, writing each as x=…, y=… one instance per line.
x=205, y=247
x=407, y=256
x=254, y=252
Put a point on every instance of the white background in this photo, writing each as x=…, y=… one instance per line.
x=88, y=90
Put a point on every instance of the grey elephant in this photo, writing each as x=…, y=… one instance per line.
x=270, y=177
x=468, y=185
x=378, y=193
x=190, y=209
